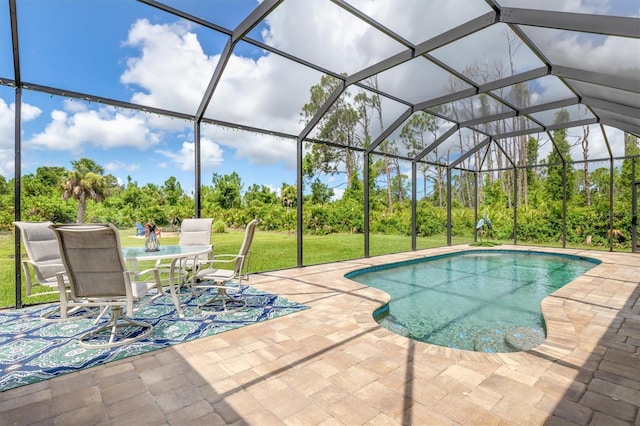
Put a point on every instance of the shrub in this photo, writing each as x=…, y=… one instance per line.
x=218, y=227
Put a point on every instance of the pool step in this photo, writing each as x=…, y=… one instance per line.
x=524, y=338
x=491, y=340
x=511, y=339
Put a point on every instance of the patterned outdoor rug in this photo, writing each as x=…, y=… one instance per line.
x=32, y=350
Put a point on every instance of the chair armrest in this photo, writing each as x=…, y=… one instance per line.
x=27, y=274
x=154, y=271
x=132, y=275
x=221, y=258
x=62, y=289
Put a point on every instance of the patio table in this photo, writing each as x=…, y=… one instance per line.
x=175, y=253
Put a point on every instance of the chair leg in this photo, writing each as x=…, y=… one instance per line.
x=118, y=321
x=225, y=301
x=73, y=313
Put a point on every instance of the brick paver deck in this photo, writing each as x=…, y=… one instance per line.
x=333, y=365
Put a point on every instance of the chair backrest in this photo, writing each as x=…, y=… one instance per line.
x=92, y=256
x=41, y=245
x=195, y=232
x=249, y=232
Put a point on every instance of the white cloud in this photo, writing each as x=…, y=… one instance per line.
x=327, y=35
x=7, y=133
x=250, y=93
x=211, y=155
x=114, y=166
x=104, y=128
x=338, y=193
x=7, y=121
x=257, y=148
x=172, y=71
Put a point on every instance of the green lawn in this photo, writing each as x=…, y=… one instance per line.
x=270, y=251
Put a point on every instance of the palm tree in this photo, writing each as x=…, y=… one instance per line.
x=84, y=182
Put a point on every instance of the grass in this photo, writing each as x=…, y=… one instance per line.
x=270, y=251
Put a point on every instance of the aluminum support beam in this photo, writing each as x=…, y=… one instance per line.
x=373, y=23
x=611, y=106
x=99, y=100
x=506, y=155
x=515, y=205
x=462, y=94
x=440, y=40
x=469, y=153
x=475, y=206
x=17, y=194
x=553, y=143
x=215, y=79
x=17, y=159
x=550, y=105
x=449, y=197
x=606, y=141
x=596, y=24
x=607, y=80
x=389, y=130
x=569, y=124
x=626, y=127
x=414, y=205
x=257, y=15
x=436, y=143
x=514, y=79
x=564, y=205
x=611, y=205
x=321, y=112
x=366, y=202
x=198, y=169
x=187, y=16
x=299, y=200
x=488, y=119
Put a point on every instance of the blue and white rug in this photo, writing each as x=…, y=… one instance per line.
x=32, y=350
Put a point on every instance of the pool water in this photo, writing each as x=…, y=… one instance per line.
x=487, y=301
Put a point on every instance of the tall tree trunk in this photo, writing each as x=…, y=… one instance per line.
x=585, y=157
x=387, y=168
x=525, y=179
x=397, y=166
x=82, y=208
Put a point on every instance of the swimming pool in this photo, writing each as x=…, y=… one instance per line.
x=479, y=300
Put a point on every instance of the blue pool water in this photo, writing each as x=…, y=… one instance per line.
x=479, y=300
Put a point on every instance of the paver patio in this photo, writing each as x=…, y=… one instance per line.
x=332, y=365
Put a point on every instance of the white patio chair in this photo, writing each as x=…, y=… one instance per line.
x=193, y=232
x=211, y=275
x=42, y=267
x=97, y=276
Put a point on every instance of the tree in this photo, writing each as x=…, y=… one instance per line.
x=226, y=190
x=320, y=192
x=260, y=194
x=532, y=158
x=172, y=191
x=414, y=137
x=631, y=149
x=337, y=125
x=585, y=168
x=559, y=155
x=288, y=195
x=85, y=182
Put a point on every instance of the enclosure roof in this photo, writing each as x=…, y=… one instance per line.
x=482, y=70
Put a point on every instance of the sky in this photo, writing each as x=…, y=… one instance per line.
x=126, y=50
